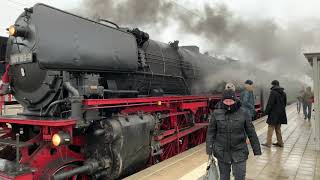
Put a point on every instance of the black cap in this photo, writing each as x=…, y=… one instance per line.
x=275, y=83
x=248, y=82
x=229, y=94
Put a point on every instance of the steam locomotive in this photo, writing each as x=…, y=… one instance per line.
x=100, y=101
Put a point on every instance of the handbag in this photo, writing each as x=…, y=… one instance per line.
x=212, y=171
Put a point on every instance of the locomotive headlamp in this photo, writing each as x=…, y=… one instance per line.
x=12, y=30
x=56, y=140
x=17, y=31
x=61, y=138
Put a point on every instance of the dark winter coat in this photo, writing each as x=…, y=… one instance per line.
x=227, y=134
x=247, y=102
x=276, y=106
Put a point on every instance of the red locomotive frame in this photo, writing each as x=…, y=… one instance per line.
x=184, y=125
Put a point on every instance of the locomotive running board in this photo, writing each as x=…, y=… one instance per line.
x=37, y=121
x=13, y=143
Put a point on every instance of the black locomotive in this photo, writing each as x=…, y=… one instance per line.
x=58, y=60
x=51, y=49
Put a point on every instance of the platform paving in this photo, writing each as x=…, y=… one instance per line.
x=297, y=160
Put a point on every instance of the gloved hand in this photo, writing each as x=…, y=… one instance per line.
x=209, y=148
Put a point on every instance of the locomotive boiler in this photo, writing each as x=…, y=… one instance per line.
x=51, y=51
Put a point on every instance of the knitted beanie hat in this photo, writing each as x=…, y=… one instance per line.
x=230, y=86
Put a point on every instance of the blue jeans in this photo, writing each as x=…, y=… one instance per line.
x=298, y=106
x=238, y=170
x=307, y=113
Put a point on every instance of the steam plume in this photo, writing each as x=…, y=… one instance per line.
x=276, y=48
x=129, y=12
x=258, y=40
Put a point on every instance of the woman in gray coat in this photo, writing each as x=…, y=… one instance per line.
x=227, y=134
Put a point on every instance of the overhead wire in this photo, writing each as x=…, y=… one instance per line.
x=14, y=6
x=184, y=8
x=18, y=3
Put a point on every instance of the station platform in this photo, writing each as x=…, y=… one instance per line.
x=297, y=160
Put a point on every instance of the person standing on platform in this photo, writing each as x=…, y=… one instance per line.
x=226, y=136
x=247, y=99
x=300, y=100
x=276, y=111
x=307, y=99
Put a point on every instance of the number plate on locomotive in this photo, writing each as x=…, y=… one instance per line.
x=21, y=58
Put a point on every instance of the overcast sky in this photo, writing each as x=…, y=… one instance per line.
x=11, y=9
x=280, y=10
x=283, y=12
